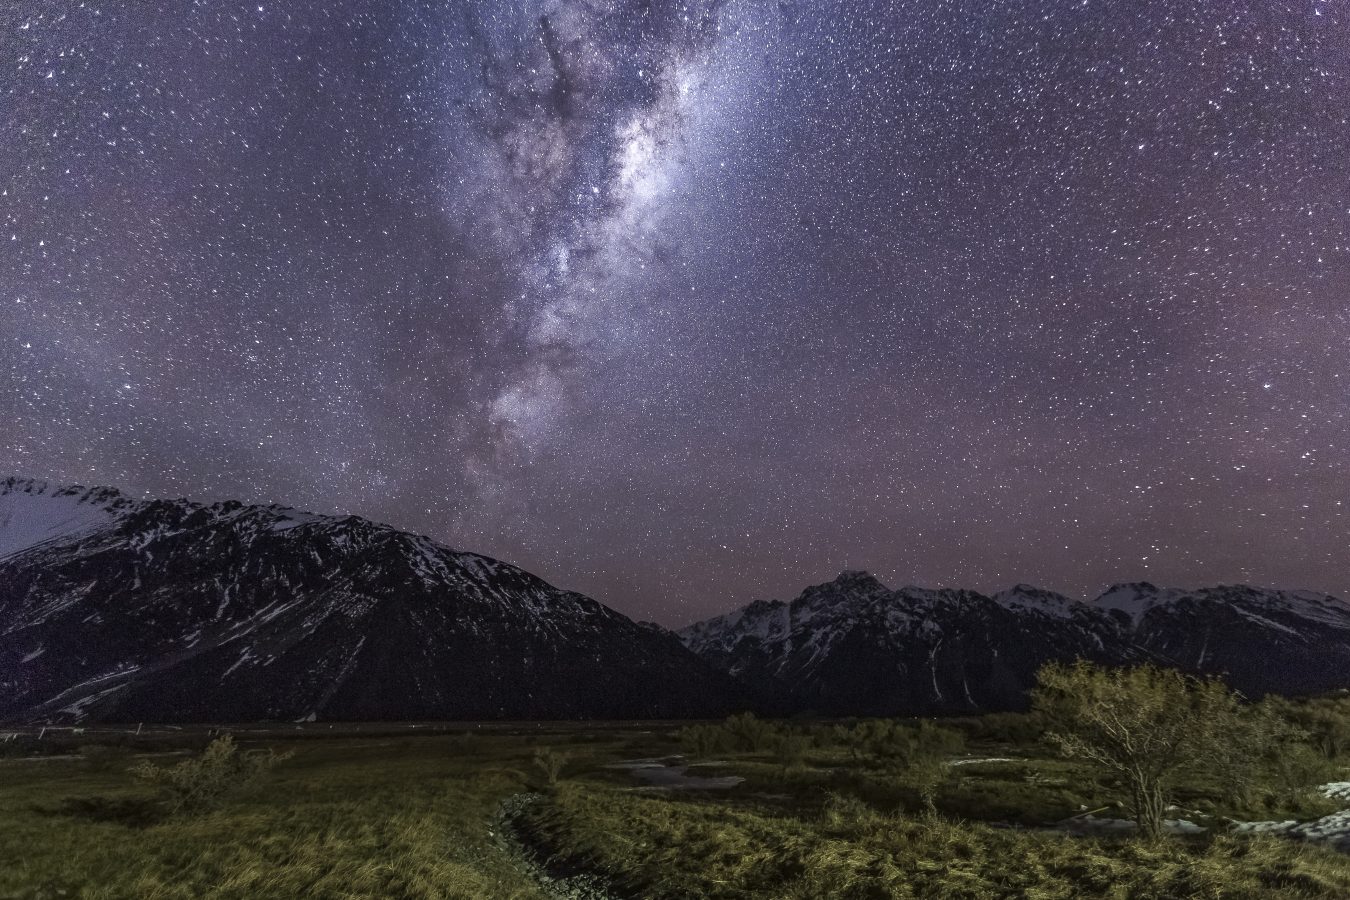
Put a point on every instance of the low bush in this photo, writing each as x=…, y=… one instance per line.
x=791, y=751
x=203, y=782
x=550, y=763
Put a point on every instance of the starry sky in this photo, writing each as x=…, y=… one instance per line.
x=688, y=304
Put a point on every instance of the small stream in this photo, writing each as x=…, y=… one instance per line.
x=671, y=773
x=507, y=833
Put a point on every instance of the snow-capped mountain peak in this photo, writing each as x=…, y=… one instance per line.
x=1024, y=597
x=1137, y=598
x=845, y=650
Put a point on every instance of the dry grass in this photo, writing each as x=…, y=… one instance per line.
x=664, y=847
x=341, y=820
x=381, y=817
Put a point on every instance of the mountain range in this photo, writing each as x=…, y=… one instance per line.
x=856, y=647
x=121, y=609
x=116, y=609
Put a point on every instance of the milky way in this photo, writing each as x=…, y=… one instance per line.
x=690, y=304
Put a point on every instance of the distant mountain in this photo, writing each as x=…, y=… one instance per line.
x=119, y=609
x=113, y=608
x=855, y=647
x=1260, y=640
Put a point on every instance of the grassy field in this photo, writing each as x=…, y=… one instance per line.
x=371, y=814
x=346, y=817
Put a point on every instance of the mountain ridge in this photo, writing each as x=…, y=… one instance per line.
x=116, y=608
x=120, y=609
x=839, y=650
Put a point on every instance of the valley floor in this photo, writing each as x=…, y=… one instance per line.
x=411, y=813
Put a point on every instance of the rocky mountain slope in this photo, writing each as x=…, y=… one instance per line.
x=855, y=647
x=113, y=608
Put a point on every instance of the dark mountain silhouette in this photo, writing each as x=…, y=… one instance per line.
x=120, y=609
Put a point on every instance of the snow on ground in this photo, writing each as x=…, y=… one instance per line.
x=1337, y=790
x=1333, y=830
x=1087, y=825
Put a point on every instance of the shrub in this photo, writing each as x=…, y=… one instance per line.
x=1327, y=722
x=1296, y=768
x=873, y=740
x=203, y=782
x=928, y=760
x=550, y=763
x=741, y=733
x=749, y=734
x=1332, y=736
x=1151, y=728
x=791, y=751
x=702, y=740
x=1017, y=729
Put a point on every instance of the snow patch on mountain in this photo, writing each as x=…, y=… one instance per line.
x=1025, y=598
x=181, y=611
x=855, y=647
x=33, y=512
x=1137, y=599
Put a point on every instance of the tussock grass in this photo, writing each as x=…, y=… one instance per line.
x=341, y=820
x=820, y=815
x=670, y=847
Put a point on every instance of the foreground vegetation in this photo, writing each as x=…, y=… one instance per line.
x=364, y=817
x=869, y=809
x=682, y=848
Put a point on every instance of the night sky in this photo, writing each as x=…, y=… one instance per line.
x=685, y=305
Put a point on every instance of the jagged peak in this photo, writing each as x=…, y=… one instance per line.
x=1032, y=590
x=854, y=579
x=15, y=484
x=850, y=585
x=1023, y=591
x=1027, y=597
x=50, y=510
x=1136, y=587
x=851, y=576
